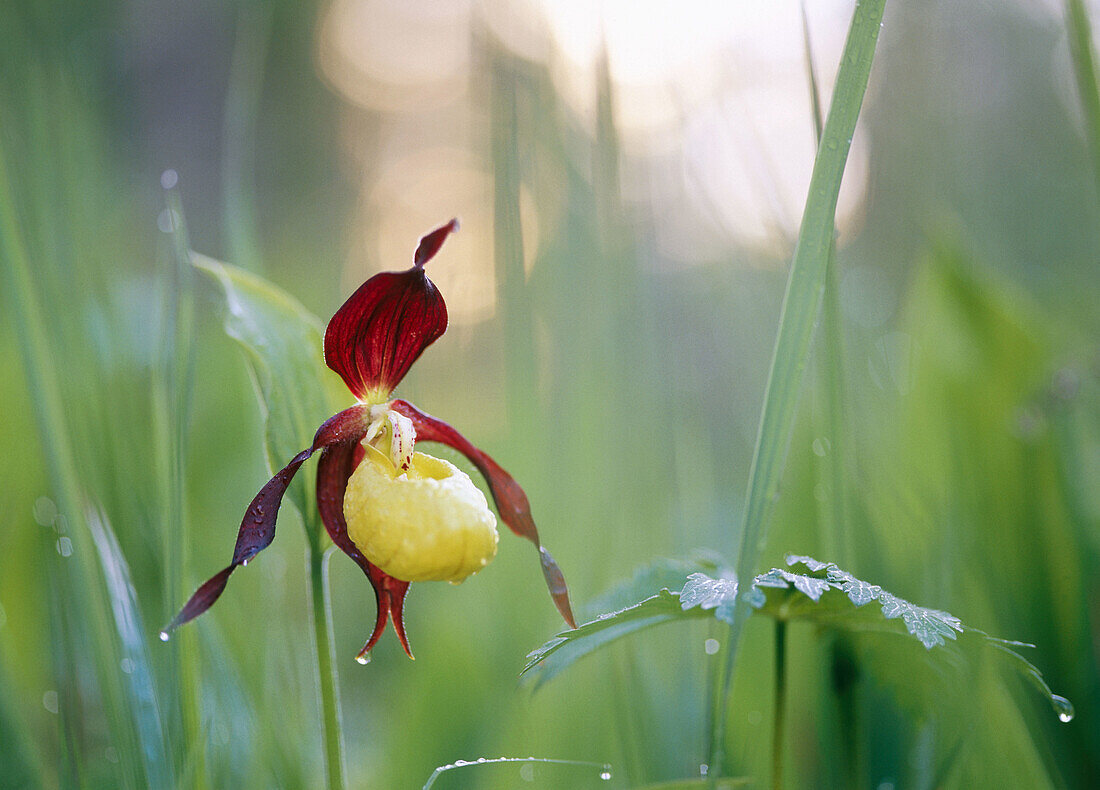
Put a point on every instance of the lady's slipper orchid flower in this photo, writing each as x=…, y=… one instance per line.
x=402, y=515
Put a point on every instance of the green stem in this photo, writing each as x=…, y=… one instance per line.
x=780, y=703
x=1084, y=69
x=801, y=305
x=326, y=671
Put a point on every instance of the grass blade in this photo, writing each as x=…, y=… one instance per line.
x=1084, y=70
x=801, y=304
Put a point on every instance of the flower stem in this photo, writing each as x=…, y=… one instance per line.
x=780, y=703
x=326, y=673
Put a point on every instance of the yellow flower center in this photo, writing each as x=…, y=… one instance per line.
x=424, y=522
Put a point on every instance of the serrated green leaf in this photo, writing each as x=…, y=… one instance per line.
x=827, y=596
x=283, y=345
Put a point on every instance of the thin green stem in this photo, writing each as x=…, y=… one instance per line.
x=171, y=412
x=1084, y=69
x=801, y=306
x=780, y=703
x=326, y=668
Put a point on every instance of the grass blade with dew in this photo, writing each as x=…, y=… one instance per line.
x=801, y=304
x=604, y=769
x=84, y=598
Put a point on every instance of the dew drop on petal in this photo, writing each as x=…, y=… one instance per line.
x=164, y=636
x=711, y=646
x=605, y=773
x=363, y=659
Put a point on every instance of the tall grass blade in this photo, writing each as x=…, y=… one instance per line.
x=801, y=304
x=1084, y=70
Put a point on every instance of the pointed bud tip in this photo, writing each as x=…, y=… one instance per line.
x=429, y=244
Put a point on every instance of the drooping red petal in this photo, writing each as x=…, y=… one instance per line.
x=509, y=497
x=257, y=528
x=333, y=470
x=384, y=326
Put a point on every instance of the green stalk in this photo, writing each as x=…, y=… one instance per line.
x=800, y=309
x=326, y=666
x=1084, y=69
x=171, y=409
x=780, y=703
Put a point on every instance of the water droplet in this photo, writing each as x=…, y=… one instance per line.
x=127, y=665
x=481, y=759
x=704, y=769
x=821, y=446
x=164, y=636
x=111, y=753
x=167, y=221
x=49, y=701
x=460, y=763
x=65, y=546
x=605, y=772
x=527, y=772
x=711, y=646
x=1063, y=707
x=755, y=717
x=363, y=658
x=245, y=562
x=169, y=178
x=45, y=511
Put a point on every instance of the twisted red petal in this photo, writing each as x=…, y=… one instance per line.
x=384, y=326
x=509, y=497
x=333, y=470
x=257, y=528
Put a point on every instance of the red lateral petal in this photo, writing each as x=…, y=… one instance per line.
x=384, y=326
x=333, y=470
x=255, y=534
x=257, y=528
x=511, y=501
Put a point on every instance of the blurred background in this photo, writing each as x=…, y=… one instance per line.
x=630, y=178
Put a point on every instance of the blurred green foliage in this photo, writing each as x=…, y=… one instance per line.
x=624, y=396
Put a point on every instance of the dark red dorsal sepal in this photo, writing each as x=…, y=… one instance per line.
x=384, y=326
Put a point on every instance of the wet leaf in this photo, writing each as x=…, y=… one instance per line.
x=282, y=344
x=824, y=594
